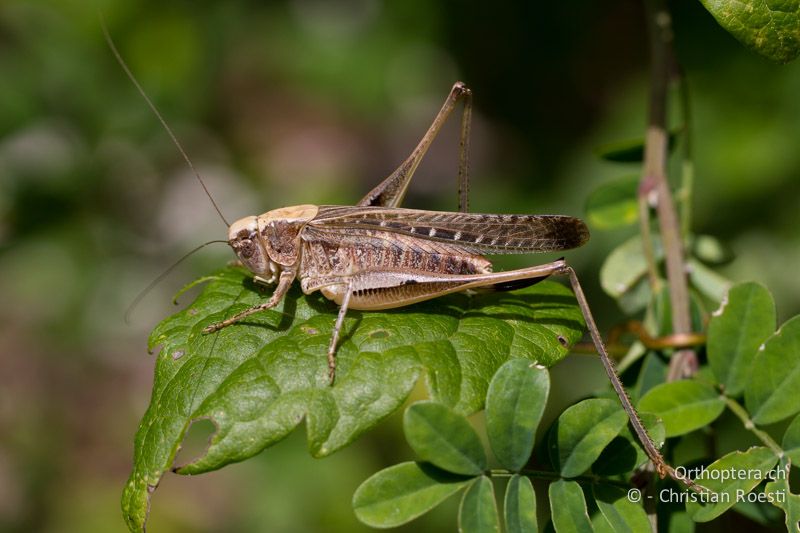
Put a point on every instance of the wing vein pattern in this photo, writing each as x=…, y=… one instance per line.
x=471, y=232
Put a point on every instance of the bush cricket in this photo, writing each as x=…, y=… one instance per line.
x=376, y=255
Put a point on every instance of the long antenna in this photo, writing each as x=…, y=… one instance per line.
x=124, y=66
x=161, y=276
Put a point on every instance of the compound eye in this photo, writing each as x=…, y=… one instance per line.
x=244, y=248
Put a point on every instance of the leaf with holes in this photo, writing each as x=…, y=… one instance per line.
x=779, y=493
x=258, y=379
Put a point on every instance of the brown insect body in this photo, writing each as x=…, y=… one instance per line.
x=390, y=257
x=387, y=270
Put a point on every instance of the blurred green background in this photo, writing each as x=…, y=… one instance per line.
x=310, y=101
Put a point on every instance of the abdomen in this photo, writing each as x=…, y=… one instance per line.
x=386, y=270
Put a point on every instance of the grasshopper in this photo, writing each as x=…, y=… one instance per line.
x=377, y=255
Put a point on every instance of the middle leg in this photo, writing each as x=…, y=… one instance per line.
x=336, y=329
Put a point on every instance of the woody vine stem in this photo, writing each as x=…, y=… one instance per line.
x=654, y=191
x=654, y=188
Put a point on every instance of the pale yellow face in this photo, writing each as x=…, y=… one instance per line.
x=244, y=239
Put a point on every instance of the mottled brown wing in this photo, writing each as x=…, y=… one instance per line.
x=473, y=232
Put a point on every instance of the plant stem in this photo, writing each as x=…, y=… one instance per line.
x=742, y=414
x=687, y=163
x=654, y=187
x=647, y=242
x=546, y=474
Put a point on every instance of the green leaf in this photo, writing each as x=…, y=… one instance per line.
x=652, y=373
x=478, y=510
x=683, y=405
x=636, y=298
x=791, y=441
x=258, y=379
x=622, y=514
x=600, y=524
x=771, y=393
x=625, y=453
x=779, y=494
x=403, y=492
x=568, y=508
x=520, y=506
x=629, y=150
x=710, y=284
x=614, y=204
x=582, y=431
x=753, y=507
x=441, y=437
x=514, y=405
x=625, y=266
x=736, y=330
x=728, y=478
x=710, y=250
x=770, y=27
x=680, y=522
